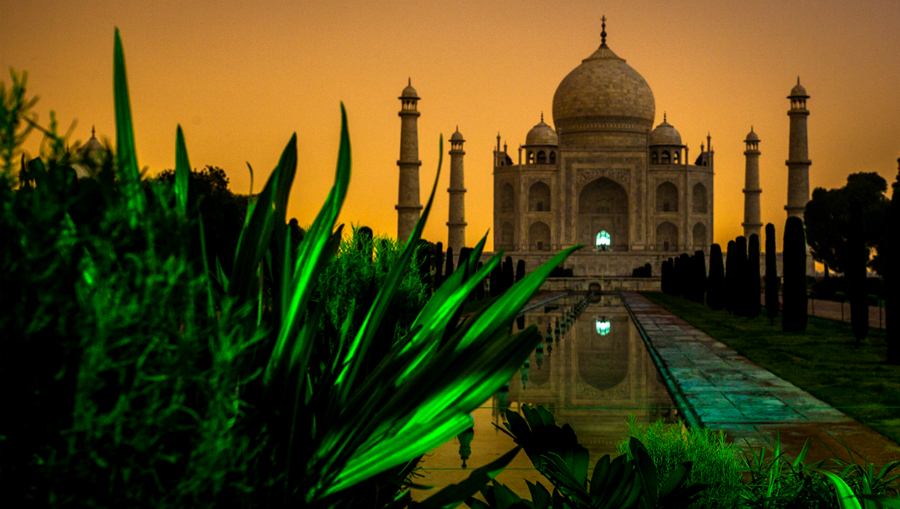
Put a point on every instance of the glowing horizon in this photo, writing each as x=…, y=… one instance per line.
x=241, y=78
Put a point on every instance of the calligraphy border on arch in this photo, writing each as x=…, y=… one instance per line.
x=621, y=176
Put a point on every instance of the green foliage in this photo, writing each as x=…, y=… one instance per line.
x=15, y=124
x=716, y=284
x=158, y=364
x=631, y=480
x=752, y=288
x=793, y=306
x=772, y=280
x=829, y=227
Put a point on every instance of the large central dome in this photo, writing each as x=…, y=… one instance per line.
x=603, y=93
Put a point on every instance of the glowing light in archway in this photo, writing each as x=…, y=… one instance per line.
x=603, y=239
x=602, y=326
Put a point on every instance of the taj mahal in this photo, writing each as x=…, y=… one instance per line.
x=604, y=177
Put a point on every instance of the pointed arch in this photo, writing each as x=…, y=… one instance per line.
x=539, y=197
x=667, y=237
x=539, y=237
x=667, y=197
x=507, y=198
x=699, y=199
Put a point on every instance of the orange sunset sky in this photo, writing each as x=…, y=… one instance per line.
x=241, y=77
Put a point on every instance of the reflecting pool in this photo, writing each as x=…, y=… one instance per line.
x=591, y=377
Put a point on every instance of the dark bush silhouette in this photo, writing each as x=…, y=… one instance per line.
x=892, y=277
x=698, y=277
x=520, y=270
x=738, y=290
x=730, y=276
x=508, y=273
x=715, y=293
x=448, y=270
x=753, y=285
x=857, y=259
x=479, y=290
x=793, y=307
x=684, y=275
x=438, y=264
x=772, y=280
x=496, y=280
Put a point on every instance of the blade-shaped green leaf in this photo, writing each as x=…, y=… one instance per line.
x=182, y=170
x=125, y=150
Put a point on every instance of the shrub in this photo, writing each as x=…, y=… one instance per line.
x=752, y=288
x=794, y=314
x=731, y=278
x=716, y=283
x=772, y=280
x=858, y=258
x=738, y=288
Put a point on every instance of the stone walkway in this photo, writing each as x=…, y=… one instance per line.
x=728, y=392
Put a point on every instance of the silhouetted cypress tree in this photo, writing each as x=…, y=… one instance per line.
x=753, y=288
x=464, y=254
x=715, y=285
x=648, y=270
x=699, y=279
x=497, y=280
x=448, y=270
x=438, y=264
x=479, y=290
x=676, y=276
x=684, y=276
x=730, y=276
x=508, y=274
x=793, y=306
x=856, y=273
x=772, y=280
x=520, y=270
x=664, y=277
x=892, y=277
x=738, y=291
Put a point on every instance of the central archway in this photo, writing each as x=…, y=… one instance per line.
x=603, y=206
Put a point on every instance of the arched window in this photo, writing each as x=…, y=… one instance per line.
x=539, y=237
x=677, y=157
x=552, y=157
x=507, y=198
x=539, y=197
x=654, y=157
x=666, y=157
x=667, y=197
x=507, y=237
x=604, y=241
x=530, y=158
x=700, y=237
x=699, y=199
x=667, y=237
x=541, y=157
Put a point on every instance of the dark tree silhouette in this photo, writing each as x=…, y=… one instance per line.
x=684, y=276
x=665, y=277
x=793, y=307
x=828, y=224
x=892, y=277
x=479, y=290
x=464, y=254
x=730, y=276
x=856, y=261
x=715, y=297
x=497, y=280
x=772, y=280
x=448, y=271
x=752, y=291
x=738, y=291
x=520, y=270
x=675, y=285
x=508, y=273
x=698, y=279
x=438, y=265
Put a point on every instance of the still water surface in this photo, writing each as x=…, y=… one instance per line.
x=591, y=378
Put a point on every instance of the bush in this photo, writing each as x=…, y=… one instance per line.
x=731, y=278
x=772, y=280
x=716, y=282
x=752, y=286
x=794, y=314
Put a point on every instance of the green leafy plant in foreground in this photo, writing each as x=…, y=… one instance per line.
x=322, y=427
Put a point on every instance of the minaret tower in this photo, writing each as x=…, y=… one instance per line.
x=798, y=157
x=408, y=206
x=456, y=223
x=752, y=191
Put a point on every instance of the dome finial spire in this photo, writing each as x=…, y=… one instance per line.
x=93, y=130
x=664, y=117
x=603, y=32
x=542, y=116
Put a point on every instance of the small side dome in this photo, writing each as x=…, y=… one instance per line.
x=409, y=92
x=752, y=135
x=92, y=146
x=798, y=90
x=665, y=134
x=542, y=134
x=457, y=136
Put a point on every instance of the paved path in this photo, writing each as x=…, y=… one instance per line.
x=730, y=393
x=832, y=310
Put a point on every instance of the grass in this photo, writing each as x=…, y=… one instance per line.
x=823, y=361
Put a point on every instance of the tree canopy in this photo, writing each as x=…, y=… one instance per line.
x=828, y=226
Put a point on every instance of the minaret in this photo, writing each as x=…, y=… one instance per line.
x=798, y=157
x=752, y=222
x=408, y=207
x=456, y=223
